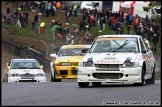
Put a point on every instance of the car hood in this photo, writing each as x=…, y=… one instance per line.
x=69, y=58
x=110, y=58
x=23, y=71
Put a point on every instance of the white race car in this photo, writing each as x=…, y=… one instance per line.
x=24, y=70
x=117, y=58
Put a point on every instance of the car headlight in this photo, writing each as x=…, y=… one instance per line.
x=41, y=74
x=128, y=64
x=88, y=64
x=66, y=64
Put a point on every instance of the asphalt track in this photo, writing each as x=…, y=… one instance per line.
x=68, y=93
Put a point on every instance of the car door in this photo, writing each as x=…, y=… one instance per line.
x=151, y=57
x=146, y=56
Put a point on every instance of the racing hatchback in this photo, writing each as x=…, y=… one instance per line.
x=24, y=70
x=117, y=58
x=66, y=63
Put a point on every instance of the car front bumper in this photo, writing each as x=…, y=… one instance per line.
x=66, y=72
x=27, y=79
x=129, y=75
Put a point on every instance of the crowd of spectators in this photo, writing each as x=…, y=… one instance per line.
x=116, y=21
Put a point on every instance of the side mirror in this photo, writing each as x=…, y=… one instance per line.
x=52, y=55
x=41, y=66
x=144, y=51
x=84, y=50
x=8, y=67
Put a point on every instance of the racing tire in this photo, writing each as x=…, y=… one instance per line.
x=83, y=84
x=3, y=80
x=53, y=79
x=142, y=78
x=152, y=79
x=96, y=83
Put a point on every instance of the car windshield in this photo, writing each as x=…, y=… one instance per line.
x=114, y=44
x=25, y=65
x=70, y=52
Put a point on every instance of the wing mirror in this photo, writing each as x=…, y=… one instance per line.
x=8, y=67
x=84, y=50
x=52, y=55
x=41, y=66
x=144, y=51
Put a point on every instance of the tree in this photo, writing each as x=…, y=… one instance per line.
x=152, y=4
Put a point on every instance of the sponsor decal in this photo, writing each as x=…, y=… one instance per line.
x=74, y=46
x=101, y=39
x=63, y=68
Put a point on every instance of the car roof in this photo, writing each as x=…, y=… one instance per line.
x=119, y=36
x=75, y=46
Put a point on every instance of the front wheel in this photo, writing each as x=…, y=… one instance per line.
x=152, y=79
x=83, y=84
x=53, y=79
x=142, y=78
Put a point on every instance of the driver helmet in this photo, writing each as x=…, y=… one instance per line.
x=106, y=45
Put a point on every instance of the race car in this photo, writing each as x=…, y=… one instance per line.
x=117, y=58
x=24, y=70
x=66, y=64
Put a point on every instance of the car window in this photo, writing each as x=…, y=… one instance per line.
x=142, y=45
x=25, y=65
x=70, y=52
x=146, y=45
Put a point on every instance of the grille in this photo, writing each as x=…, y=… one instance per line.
x=64, y=72
x=107, y=75
x=27, y=81
x=107, y=65
x=28, y=75
x=75, y=63
x=74, y=72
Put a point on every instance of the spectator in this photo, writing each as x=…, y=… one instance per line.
x=75, y=10
x=155, y=41
x=52, y=23
x=99, y=23
x=58, y=5
x=109, y=24
x=53, y=9
x=127, y=19
x=42, y=25
x=68, y=17
x=81, y=23
x=130, y=19
x=103, y=23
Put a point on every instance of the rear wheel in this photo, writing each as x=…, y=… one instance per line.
x=83, y=84
x=96, y=83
